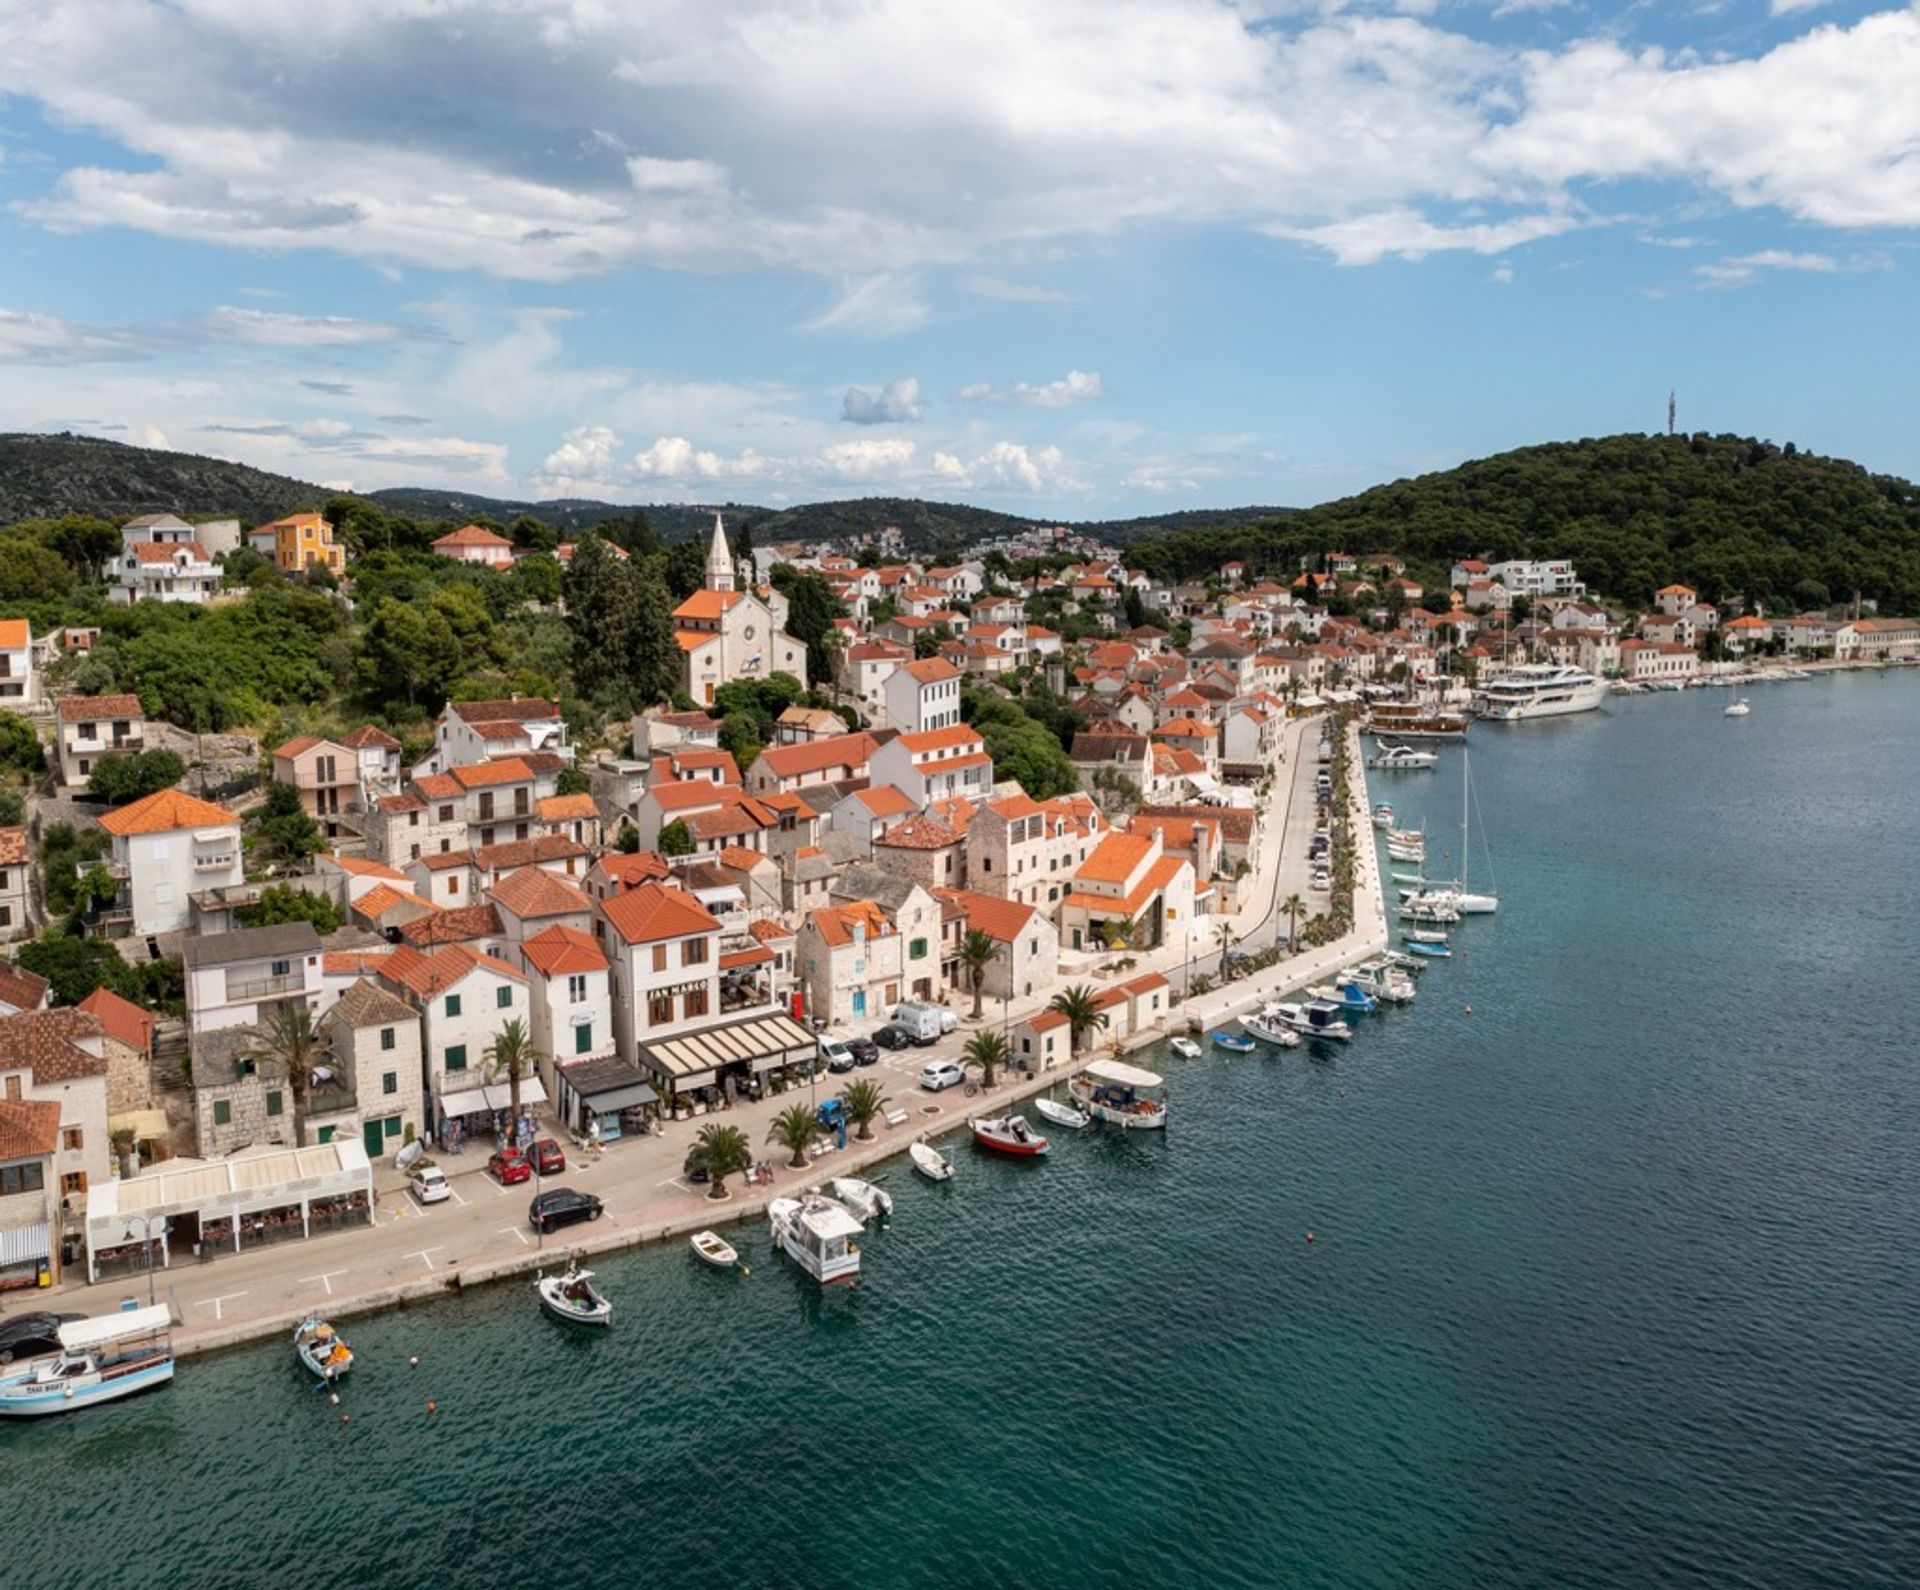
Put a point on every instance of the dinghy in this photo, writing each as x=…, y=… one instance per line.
x=1062, y=1114
x=1436, y=952
x=572, y=1297
x=1185, y=1048
x=1011, y=1134
x=862, y=1199
x=930, y=1162
x=710, y=1248
x=1233, y=1043
x=318, y=1345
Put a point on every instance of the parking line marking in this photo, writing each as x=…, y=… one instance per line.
x=215, y=1303
x=425, y=1255
x=455, y=1196
x=325, y=1280
x=518, y=1233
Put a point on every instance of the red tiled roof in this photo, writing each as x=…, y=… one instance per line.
x=530, y=892
x=167, y=811
x=29, y=1128
x=482, y=775
x=1004, y=920
x=20, y=988
x=88, y=709
x=459, y=925
x=559, y=949
x=359, y=739
x=471, y=535
x=835, y=923
x=653, y=911
x=121, y=1018
x=918, y=833
x=816, y=756
x=13, y=847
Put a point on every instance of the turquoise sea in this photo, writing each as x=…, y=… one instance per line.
x=1614, y=1279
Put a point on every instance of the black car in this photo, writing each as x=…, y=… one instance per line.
x=892, y=1037
x=562, y=1207
x=865, y=1051
x=30, y=1335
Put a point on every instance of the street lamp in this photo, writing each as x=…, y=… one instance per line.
x=146, y=1245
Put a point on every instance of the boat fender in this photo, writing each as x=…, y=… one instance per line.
x=414, y=1362
x=69, y=1391
x=433, y=1407
x=1309, y=1236
x=333, y=1397
x=1469, y=1010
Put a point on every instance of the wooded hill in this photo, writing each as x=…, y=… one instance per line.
x=1728, y=515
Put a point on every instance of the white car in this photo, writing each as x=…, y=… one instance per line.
x=430, y=1184
x=838, y=1056
x=938, y=1075
x=1322, y=881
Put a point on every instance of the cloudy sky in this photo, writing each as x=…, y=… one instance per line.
x=1064, y=257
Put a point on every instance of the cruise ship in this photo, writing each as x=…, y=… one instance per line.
x=1538, y=690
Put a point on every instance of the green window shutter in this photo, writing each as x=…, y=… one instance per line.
x=453, y=1004
x=583, y=1038
x=392, y=1126
x=457, y=1057
x=222, y=1113
x=503, y=996
x=273, y=1101
x=918, y=949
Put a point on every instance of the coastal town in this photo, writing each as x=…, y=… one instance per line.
x=504, y=961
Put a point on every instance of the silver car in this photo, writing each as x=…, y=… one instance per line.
x=430, y=1184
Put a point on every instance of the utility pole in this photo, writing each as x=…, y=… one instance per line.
x=1670, y=409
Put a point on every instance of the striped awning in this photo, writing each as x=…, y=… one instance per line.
x=760, y=1043
x=25, y=1244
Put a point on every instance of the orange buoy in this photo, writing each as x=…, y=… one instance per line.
x=1309, y=1236
x=433, y=1407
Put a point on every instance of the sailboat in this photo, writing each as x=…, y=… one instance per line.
x=1456, y=894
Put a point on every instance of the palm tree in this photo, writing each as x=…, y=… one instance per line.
x=1076, y=1004
x=1227, y=941
x=1295, y=908
x=977, y=952
x=986, y=1049
x=794, y=1129
x=726, y=1150
x=862, y=1101
x=286, y=1037
x=512, y=1053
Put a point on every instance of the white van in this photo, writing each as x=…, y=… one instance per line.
x=919, y=1021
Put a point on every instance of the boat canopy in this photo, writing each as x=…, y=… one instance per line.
x=1118, y=1071
x=827, y=1220
x=82, y=1335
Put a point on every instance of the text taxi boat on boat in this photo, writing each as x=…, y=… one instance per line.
x=100, y=1360
x=1124, y=1095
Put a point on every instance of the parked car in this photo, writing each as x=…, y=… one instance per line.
x=562, y=1206
x=938, y=1075
x=430, y=1184
x=31, y=1335
x=891, y=1037
x=864, y=1050
x=1322, y=881
x=920, y=1021
x=547, y=1157
x=695, y=1168
x=509, y=1166
x=838, y=1056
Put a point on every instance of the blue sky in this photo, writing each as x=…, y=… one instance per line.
x=1071, y=260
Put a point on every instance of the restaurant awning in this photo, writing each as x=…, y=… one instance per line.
x=491, y=1096
x=145, y=1125
x=760, y=1043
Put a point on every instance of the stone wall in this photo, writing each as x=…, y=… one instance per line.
x=129, y=1078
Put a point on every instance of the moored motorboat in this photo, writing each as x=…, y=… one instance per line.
x=573, y=1297
x=1384, y=981
x=1348, y=996
x=862, y=1199
x=1424, y=935
x=1012, y=1134
x=100, y=1360
x=1266, y=1026
x=1060, y=1114
x=1233, y=1043
x=1185, y=1048
x=1401, y=759
x=1383, y=816
x=1433, y=952
x=1736, y=709
x=817, y=1234
x=1121, y=1095
x=711, y=1248
x=930, y=1162
x=318, y=1345
x=1313, y=1018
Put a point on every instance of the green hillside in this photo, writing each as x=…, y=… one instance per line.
x=1730, y=516
x=47, y=477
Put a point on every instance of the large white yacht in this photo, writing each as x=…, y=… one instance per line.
x=1538, y=690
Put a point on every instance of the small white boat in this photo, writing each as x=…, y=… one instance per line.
x=864, y=1200
x=1383, y=816
x=1425, y=935
x=1736, y=709
x=1062, y=1114
x=1011, y=1134
x=817, y=1234
x=100, y=1360
x=1185, y=1048
x=1401, y=759
x=574, y=1298
x=711, y=1248
x=1121, y=1095
x=318, y=1345
x=1270, y=1030
x=930, y=1162
x=1316, y=1018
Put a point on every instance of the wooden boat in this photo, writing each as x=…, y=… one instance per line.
x=1233, y=1043
x=1011, y=1134
x=573, y=1297
x=318, y=1345
x=864, y=1200
x=1121, y=1095
x=100, y=1360
x=1185, y=1048
x=930, y=1162
x=1062, y=1114
x=711, y=1248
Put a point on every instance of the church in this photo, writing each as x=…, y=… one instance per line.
x=726, y=633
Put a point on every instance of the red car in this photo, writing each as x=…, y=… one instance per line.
x=509, y=1166
x=547, y=1157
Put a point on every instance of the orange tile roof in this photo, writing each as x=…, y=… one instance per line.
x=339, y=963
x=471, y=535
x=122, y=1018
x=460, y=925
x=653, y=911
x=769, y=930
x=919, y=833
x=1045, y=1021
x=1014, y=807
x=359, y=739
x=835, y=923
x=694, y=639
x=482, y=775
x=29, y=1128
x=1186, y=729
x=13, y=847
x=429, y=975
x=166, y=551
x=566, y=808
x=16, y=634
x=628, y=870
x=20, y=988
x=883, y=800
x=739, y=858
x=378, y=901
x=957, y=734
x=687, y=793
x=532, y=892
x=167, y=811
x=558, y=950
x=1159, y=875
x=1004, y=920
x=930, y=670
x=1114, y=859
x=815, y=756
x=757, y=956
x=360, y=867
x=706, y=604
x=89, y=709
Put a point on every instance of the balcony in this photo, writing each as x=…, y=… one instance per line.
x=221, y=860
x=243, y=989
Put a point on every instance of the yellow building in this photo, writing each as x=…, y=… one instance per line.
x=299, y=542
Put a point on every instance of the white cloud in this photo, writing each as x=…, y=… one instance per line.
x=675, y=458
x=1782, y=8
x=28, y=337
x=1742, y=268
x=867, y=457
x=1014, y=292
x=1076, y=386
x=866, y=143
x=898, y=402
x=1503, y=274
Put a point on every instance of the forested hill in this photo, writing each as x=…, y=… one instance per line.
x=47, y=477
x=1727, y=515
